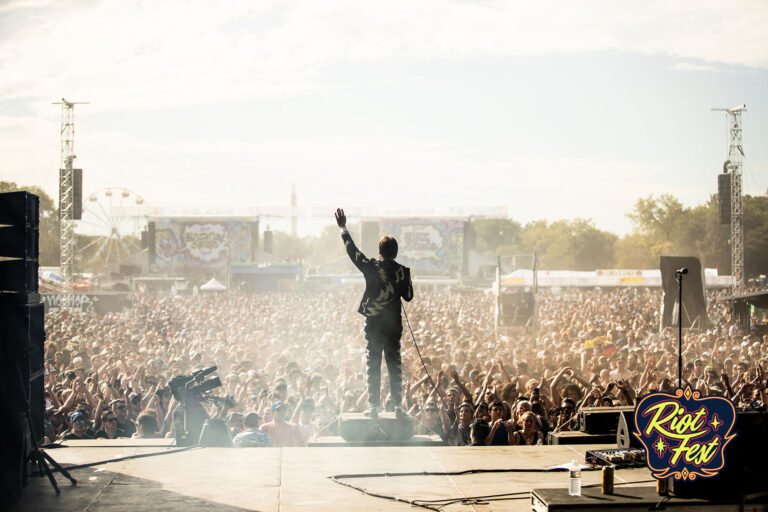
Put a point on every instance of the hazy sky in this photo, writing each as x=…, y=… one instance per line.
x=550, y=109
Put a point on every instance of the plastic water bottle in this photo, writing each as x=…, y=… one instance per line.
x=574, y=479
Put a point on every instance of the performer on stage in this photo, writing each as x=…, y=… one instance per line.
x=385, y=282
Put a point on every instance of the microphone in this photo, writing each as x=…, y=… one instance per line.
x=682, y=271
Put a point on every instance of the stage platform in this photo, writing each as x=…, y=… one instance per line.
x=297, y=479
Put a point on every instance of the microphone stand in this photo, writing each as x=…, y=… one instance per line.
x=679, y=279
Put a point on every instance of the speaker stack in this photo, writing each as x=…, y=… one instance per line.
x=21, y=337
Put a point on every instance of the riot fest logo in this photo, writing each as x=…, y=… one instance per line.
x=684, y=434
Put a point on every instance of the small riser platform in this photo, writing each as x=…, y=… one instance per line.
x=358, y=428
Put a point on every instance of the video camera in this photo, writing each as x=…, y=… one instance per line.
x=191, y=422
x=195, y=386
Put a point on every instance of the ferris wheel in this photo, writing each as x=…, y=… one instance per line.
x=113, y=219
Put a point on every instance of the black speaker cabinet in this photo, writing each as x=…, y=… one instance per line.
x=601, y=420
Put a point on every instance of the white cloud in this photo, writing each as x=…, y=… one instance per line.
x=198, y=174
x=688, y=66
x=142, y=55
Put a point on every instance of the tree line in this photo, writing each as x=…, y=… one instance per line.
x=661, y=225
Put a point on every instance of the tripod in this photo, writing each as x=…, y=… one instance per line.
x=36, y=455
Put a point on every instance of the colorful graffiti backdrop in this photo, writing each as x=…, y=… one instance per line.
x=684, y=434
x=195, y=246
x=428, y=246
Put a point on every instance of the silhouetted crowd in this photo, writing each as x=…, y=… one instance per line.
x=293, y=362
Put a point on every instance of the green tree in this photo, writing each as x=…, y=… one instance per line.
x=658, y=218
x=664, y=226
x=496, y=237
x=634, y=251
x=49, y=222
x=569, y=244
x=755, y=235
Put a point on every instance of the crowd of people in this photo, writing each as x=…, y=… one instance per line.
x=294, y=362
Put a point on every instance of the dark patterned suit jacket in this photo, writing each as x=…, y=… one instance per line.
x=385, y=282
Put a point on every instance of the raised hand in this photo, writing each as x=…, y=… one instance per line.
x=341, y=219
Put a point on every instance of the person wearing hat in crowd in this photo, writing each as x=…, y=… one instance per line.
x=279, y=429
x=252, y=437
x=78, y=426
x=386, y=282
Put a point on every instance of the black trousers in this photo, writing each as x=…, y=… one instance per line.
x=384, y=338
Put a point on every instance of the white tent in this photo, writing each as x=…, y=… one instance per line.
x=213, y=286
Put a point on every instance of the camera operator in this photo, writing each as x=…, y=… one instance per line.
x=189, y=416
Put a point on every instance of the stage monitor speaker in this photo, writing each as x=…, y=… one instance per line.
x=602, y=420
x=369, y=238
x=724, y=197
x=268, y=241
x=624, y=430
x=745, y=471
x=694, y=301
x=516, y=308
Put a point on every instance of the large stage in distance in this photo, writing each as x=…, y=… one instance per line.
x=296, y=479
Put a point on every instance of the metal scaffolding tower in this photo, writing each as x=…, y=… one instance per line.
x=733, y=166
x=66, y=200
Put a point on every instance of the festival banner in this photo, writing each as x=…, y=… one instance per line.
x=192, y=246
x=428, y=246
x=684, y=434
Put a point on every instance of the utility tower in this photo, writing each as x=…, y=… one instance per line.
x=66, y=199
x=733, y=166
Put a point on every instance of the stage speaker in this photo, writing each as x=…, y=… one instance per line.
x=602, y=420
x=21, y=337
x=745, y=471
x=268, y=241
x=724, y=197
x=369, y=238
x=77, y=192
x=151, y=241
x=19, y=232
x=468, y=245
x=625, y=428
x=254, y=239
x=516, y=308
x=694, y=301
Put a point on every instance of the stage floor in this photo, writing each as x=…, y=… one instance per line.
x=296, y=479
